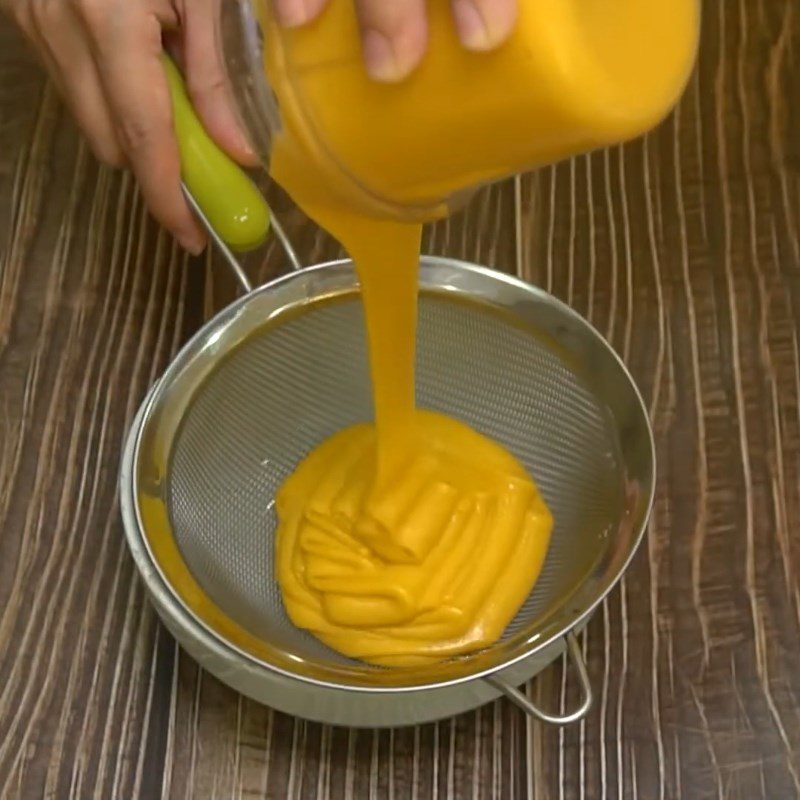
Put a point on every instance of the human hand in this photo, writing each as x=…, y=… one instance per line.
x=395, y=34
x=105, y=58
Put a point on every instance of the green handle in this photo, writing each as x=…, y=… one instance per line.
x=234, y=206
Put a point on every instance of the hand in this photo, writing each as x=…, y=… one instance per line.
x=104, y=56
x=394, y=32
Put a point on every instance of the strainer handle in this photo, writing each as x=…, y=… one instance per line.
x=230, y=206
x=521, y=700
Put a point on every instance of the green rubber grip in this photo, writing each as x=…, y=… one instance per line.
x=232, y=203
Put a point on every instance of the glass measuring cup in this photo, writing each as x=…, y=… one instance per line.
x=575, y=75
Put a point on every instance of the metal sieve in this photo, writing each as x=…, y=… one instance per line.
x=285, y=366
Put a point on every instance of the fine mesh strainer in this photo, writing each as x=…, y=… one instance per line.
x=286, y=366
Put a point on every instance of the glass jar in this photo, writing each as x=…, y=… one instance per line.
x=575, y=75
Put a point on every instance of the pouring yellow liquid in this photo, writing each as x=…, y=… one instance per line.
x=416, y=539
x=413, y=539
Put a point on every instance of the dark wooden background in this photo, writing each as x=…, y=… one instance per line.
x=684, y=249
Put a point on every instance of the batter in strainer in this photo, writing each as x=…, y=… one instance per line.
x=414, y=539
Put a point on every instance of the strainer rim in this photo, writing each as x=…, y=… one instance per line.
x=569, y=618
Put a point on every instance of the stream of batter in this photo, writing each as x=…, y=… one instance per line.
x=413, y=539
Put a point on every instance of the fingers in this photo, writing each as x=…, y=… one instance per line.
x=395, y=33
x=83, y=94
x=292, y=13
x=69, y=61
x=484, y=24
x=126, y=41
x=205, y=79
x=394, y=36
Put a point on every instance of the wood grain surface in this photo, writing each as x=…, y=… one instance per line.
x=683, y=249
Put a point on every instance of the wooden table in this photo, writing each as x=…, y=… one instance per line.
x=683, y=249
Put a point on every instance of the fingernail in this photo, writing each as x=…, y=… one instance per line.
x=292, y=13
x=244, y=151
x=380, y=58
x=193, y=243
x=471, y=26
x=247, y=151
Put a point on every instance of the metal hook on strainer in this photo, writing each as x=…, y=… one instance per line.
x=283, y=367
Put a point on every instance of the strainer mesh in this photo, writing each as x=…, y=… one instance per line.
x=292, y=384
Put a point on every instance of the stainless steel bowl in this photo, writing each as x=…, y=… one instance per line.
x=285, y=366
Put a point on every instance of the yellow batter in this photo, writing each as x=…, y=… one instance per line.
x=414, y=539
x=418, y=539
